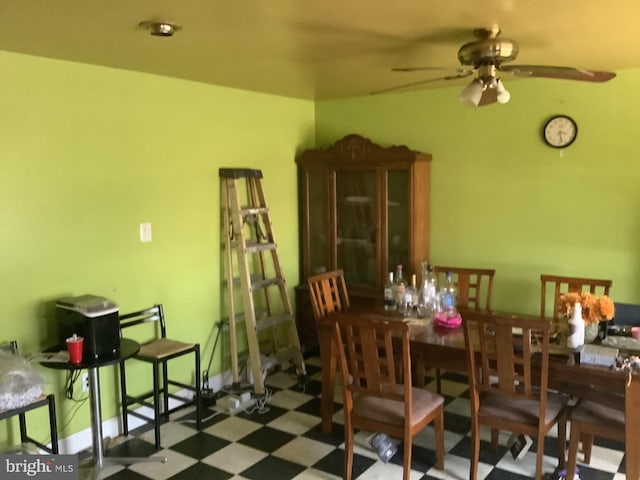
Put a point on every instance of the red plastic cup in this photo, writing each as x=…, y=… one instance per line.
x=74, y=346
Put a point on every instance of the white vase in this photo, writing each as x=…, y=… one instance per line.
x=575, y=335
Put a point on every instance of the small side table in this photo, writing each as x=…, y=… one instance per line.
x=128, y=348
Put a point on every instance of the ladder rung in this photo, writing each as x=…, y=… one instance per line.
x=253, y=278
x=241, y=317
x=254, y=211
x=272, y=321
x=260, y=247
x=235, y=173
x=267, y=282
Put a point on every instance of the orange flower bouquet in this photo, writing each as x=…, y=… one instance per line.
x=594, y=309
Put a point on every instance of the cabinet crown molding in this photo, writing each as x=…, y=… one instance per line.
x=355, y=148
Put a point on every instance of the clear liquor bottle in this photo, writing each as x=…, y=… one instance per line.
x=389, y=295
x=428, y=299
x=448, y=296
x=410, y=297
x=399, y=286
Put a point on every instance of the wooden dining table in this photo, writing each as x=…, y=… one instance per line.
x=444, y=348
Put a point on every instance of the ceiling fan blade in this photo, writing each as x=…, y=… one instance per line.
x=461, y=69
x=564, y=73
x=420, y=82
x=417, y=69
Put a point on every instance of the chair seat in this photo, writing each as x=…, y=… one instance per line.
x=594, y=413
x=392, y=411
x=162, y=348
x=522, y=411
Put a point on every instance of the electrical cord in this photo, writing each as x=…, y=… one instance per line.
x=262, y=403
x=206, y=419
x=72, y=413
x=72, y=377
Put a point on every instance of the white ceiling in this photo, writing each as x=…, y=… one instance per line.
x=318, y=49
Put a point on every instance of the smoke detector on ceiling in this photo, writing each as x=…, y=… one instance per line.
x=160, y=29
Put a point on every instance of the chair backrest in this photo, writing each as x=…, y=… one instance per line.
x=553, y=286
x=328, y=293
x=499, y=357
x=368, y=361
x=151, y=315
x=474, y=286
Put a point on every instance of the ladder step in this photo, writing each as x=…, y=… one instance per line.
x=247, y=211
x=267, y=282
x=253, y=247
x=253, y=278
x=273, y=321
x=236, y=173
x=241, y=317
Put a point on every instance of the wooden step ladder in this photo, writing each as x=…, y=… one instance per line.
x=248, y=231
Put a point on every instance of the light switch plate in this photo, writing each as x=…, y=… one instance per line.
x=145, y=232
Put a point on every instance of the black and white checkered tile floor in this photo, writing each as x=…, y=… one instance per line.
x=284, y=442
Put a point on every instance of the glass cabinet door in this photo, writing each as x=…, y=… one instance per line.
x=398, y=220
x=319, y=250
x=357, y=226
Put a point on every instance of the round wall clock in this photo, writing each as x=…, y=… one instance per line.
x=560, y=131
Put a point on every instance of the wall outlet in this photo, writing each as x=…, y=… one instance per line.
x=85, y=382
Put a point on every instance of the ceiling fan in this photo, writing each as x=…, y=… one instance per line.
x=486, y=57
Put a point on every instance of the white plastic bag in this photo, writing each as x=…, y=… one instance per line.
x=20, y=382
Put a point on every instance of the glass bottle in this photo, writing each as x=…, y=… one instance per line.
x=414, y=293
x=399, y=286
x=389, y=295
x=448, y=297
x=428, y=303
x=410, y=294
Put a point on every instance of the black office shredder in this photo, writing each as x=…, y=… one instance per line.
x=94, y=318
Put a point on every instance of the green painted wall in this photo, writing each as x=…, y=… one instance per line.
x=502, y=199
x=89, y=153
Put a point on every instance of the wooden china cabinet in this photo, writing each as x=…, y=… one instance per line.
x=364, y=209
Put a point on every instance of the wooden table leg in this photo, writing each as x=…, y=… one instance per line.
x=632, y=427
x=329, y=367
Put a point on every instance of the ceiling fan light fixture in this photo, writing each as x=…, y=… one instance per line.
x=472, y=93
x=160, y=29
x=503, y=94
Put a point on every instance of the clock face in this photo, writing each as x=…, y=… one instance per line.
x=560, y=131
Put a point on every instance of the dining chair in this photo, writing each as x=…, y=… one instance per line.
x=158, y=350
x=553, y=286
x=11, y=348
x=474, y=289
x=474, y=286
x=508, y=389
x=328, y=294
x=375, y=398
x=601, y=415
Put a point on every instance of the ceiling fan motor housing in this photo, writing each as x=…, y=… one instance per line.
x=492, y=51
